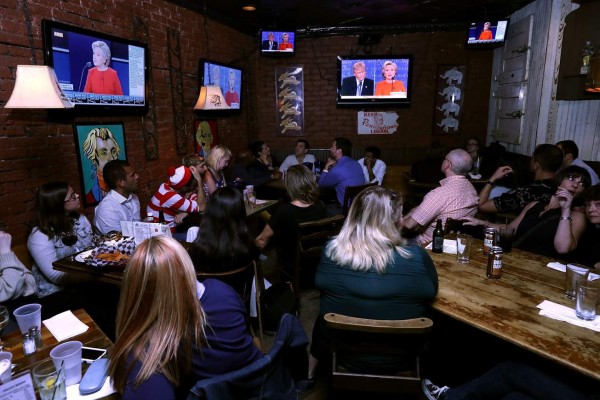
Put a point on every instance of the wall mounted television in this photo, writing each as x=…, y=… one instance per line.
x=486, y=34
x=386, y=80
x=227, y=77
x=277, y=43
x=92, y=81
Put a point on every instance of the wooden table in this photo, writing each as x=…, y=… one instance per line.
x=507, y=307
x=93, y=337
x=115, y=276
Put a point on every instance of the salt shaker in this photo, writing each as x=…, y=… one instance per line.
x=28, y=344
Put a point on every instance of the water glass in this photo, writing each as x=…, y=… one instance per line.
x=463, y=248
x=5, y=366
x=27, y=316
x=588, y=293
x=50, y=381
x=506, y=235
x=574, y=273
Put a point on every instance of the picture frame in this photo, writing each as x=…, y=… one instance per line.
x=206, y=135
x=91, y=158
x=450, y=94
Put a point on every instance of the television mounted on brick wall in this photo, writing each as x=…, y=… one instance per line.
x=228, y=78
x=99, y=73
x=374, y=80
x=277, y=43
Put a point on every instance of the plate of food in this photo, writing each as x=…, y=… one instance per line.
x=81, y=257
x=112, y=253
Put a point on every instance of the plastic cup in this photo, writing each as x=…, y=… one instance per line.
x=5, y=366
x=50, y=381
x=27, y=316
x=463, y=248
x=574, y=273
x=587, y=293
x=69, y=354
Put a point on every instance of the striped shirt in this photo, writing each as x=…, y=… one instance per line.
x=171, y=203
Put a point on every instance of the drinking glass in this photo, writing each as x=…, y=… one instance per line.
x=50, y=381
x=3, y=322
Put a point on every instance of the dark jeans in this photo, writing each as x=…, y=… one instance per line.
x=514, y=381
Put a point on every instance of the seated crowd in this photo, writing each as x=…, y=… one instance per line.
x=172, y=330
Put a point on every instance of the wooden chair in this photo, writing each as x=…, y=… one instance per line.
x=241, y=280
x=312, y=236
x=350, y=194
x=359, y=336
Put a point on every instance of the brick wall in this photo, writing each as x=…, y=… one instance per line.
x=38, y=147
x=323, y=121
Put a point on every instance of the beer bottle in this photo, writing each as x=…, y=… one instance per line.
x=438, y=238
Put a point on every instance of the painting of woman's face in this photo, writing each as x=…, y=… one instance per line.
x=106, y=150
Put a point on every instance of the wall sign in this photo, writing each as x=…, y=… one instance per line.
x=289, y=93
x=449, y=99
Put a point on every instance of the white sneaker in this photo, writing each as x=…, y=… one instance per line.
x=432, y=391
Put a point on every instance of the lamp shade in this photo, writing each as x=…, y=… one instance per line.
x=36, y=86
x=211, y=98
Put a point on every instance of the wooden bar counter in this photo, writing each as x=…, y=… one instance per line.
x=507, y=307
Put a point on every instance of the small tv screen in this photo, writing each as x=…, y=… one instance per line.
x=277, y=42
x=227, y=77
x=96, y=70
x=491, y=33
x=374, y=80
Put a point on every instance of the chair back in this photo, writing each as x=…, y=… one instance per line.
x=312, y=236
x=400, y=341
x=350, y=194
x=269, y=378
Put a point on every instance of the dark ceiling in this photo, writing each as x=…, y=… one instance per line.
x=352, y=16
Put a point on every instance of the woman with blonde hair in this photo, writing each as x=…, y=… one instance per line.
x=217, y=160
x=166, y=342
x=368, y=271
x=304, y=206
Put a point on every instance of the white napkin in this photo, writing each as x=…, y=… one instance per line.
x=557, y=266
x=449, y=246
x=475, y=176
x=566, y=314
x=261, y=202
x=65, y=325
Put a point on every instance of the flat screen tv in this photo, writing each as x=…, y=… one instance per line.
x=97, y=72
x=227, y=77
x=374, y=80
x=491, y=33
x=277, y=42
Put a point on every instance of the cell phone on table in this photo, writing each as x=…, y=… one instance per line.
x=91, y=354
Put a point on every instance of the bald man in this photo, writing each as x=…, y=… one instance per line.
x=456, y=198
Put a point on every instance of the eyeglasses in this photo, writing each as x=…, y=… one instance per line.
x=591, y=204
x=574, y=178
x=73, y=196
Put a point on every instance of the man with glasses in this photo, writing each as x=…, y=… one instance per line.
x=456, y=198
x=120, y=204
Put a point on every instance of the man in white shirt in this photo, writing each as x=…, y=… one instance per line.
x=300, y=156
x=571, y=157
x=120, y=204
x=373, y=167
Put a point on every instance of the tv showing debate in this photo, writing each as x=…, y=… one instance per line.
x=94, y=68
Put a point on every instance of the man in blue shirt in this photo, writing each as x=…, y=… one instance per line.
x=340, y=171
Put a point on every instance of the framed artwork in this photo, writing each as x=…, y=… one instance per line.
x=206, y=135
x=450, y=89
x=289, y=100
x=96, y=145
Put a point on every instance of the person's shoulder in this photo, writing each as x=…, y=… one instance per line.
x=380, y=162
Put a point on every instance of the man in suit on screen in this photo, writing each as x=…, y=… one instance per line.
x=358, y=85
x=270, y=43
